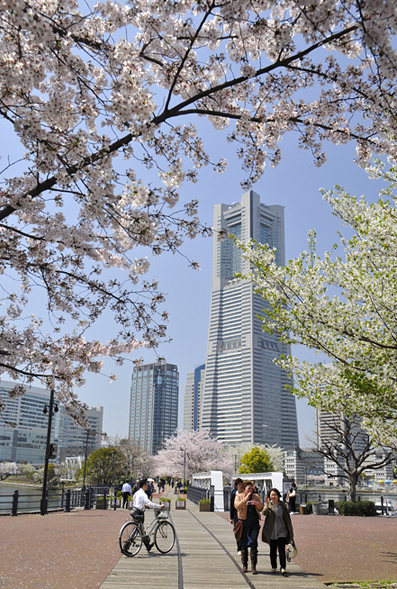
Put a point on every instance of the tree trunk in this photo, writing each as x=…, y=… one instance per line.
x=353, y=486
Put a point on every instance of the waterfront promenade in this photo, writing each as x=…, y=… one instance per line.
x=79, y=550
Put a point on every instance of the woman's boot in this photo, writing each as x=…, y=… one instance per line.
x=254, y=560
x=244, y=559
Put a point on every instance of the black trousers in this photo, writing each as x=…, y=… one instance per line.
x=279, y=544
x=125, y=499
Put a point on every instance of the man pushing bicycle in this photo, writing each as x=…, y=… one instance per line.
x=140, y=501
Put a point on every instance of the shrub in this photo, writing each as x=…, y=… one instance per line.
x=179, y=498
x=359, y=508
x=165, y=500
x=204, y=500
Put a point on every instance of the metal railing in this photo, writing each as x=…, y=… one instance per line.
x=20, y=502
x=196, y=493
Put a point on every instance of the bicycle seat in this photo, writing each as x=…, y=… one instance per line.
x=137, y=514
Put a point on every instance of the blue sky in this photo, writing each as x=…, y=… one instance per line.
x=294, y=184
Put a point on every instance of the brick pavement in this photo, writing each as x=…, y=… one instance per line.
x=346, y=548
x=78, y=550
x=74, y=550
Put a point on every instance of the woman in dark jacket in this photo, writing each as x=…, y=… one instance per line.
x=277, y=529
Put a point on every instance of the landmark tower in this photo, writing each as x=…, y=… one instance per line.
x=245, y=399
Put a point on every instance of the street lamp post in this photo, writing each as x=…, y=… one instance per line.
x=114, y=484
x=51, y=410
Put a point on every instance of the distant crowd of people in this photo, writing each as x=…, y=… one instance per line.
x=129, y=490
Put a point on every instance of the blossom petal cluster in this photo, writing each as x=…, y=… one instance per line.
x=105, y=101
x=187, y=453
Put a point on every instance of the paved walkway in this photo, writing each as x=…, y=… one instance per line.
x=206, y=557
x=79, y=550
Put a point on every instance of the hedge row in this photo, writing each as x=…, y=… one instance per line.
x=363, y=508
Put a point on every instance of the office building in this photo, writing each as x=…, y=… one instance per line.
x=153, y=405
x=74, y=440
x=245, y=399
x=23, y=427
x=303, y=465
x=192, y=403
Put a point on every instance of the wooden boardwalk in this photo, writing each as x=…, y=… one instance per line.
x=204, y=556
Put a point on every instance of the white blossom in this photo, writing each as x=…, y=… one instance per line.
x=101, y=96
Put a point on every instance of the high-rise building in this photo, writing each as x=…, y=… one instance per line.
x=192, y=403
x=153, y=404
x=245, y=395
x=23, y=427
x=74, y=440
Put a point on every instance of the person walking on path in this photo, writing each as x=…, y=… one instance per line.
x=140, y=501
x=249, y=507
x=126, y=491
x=238, y=488
x=292, y=497
x=277, y=530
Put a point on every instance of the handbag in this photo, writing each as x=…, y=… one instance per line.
x=292, y=550
x=238, y=530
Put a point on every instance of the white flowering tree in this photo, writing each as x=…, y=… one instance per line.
x=343, y=306
x=187, y=453
x=98, y=107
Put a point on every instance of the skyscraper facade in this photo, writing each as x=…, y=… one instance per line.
x=245, y=399
x=153, y=405
x=192, y=403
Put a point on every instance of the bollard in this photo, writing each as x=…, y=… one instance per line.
x=67, y=502
x=331, y=506
x=104, y=500
x=14, y=510
x=381, y=502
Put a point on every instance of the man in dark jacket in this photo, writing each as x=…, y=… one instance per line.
x=238, y=487
x=233, y=510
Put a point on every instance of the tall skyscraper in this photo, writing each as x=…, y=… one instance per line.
x=153, y=404
x=245, y=399
x=193, y=401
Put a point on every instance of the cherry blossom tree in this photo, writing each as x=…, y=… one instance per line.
x=104, y=100
x=343, y=306
x=187, y=453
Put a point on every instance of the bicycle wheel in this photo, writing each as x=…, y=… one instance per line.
x=164, y=537
x=130, y=539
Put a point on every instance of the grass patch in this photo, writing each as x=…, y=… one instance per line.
x=365, y=585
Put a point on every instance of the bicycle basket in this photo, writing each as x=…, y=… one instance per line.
x=161, y=513
x=137, y=514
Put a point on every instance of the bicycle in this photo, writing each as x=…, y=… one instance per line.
x=132, y=534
